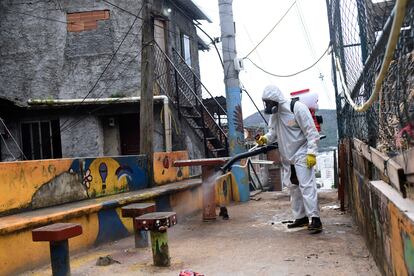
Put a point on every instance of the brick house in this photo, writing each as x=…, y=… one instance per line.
x=70, y=74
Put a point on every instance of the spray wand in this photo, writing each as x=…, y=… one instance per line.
x=252, y=152
x=227, y=166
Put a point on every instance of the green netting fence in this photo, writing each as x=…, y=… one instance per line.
x=359, y=33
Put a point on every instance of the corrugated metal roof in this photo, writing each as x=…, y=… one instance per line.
x=193, y=9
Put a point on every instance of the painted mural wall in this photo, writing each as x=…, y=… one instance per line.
x=101, y=226
x=41, y=183
x=164, y=170
x=224, y=191
x=385, y=219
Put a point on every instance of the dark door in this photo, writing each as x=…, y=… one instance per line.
x=129, y=132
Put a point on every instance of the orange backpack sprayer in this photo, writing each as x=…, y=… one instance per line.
x=310, y=99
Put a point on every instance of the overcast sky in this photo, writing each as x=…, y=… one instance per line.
x=286, y=50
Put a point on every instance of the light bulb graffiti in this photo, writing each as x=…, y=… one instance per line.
x=103, y=172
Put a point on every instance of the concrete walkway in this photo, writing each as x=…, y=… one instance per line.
x=253, y=242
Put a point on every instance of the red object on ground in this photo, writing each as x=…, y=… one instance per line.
x=189, y=272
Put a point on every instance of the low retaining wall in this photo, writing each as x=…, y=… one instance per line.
x=384, y=217
x=101, y=221
x=30, y=185
x=164, y=170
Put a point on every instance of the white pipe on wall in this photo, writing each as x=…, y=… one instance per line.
x=167, y=125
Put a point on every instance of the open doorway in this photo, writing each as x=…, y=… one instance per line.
x=129, y=134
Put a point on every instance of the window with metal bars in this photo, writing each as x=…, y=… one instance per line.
x=41, y=139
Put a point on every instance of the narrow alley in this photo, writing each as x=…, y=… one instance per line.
x=253, y=242
x=207, y=138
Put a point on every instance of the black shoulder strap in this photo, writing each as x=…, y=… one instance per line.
x=292, y=104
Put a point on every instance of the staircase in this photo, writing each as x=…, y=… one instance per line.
x=192, y=101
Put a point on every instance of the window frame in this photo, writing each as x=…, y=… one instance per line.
x=185, y=41
x=55, y=147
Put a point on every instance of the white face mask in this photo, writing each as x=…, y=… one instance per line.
x=271, y=107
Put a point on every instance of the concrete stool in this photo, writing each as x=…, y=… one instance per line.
x=158, y=223
x=57, y=235
x=136, y=210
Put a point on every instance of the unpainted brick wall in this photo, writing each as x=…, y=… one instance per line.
x=85, y=21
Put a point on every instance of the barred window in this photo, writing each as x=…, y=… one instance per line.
x=41, y=139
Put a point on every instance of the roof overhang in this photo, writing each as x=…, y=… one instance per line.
x=61, y=103
x=202, y=45
x=192, y=9
x=8, y=107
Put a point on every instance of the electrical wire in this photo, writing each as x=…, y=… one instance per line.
x=204, y=32
x=160, y=26
x=44, y=18
x=14, y=140
x=400, y=8
x=293, y=74
x=63, y=128
x=74, y=23
x=7, y=148
x=257, y=108
x=67, y=127
x=311, y=48
x=124, y=58
x=271, y=30
x=75, y=123
x=107, y=65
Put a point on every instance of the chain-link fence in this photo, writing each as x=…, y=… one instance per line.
x=359, y=32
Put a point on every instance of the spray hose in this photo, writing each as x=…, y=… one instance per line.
x=254, y=151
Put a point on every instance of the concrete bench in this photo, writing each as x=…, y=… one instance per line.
x=136, y=210
x=100, y=218
x=57, y=235
x=158, y=223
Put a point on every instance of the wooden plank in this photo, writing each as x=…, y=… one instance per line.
x=385, y=164
x=343, y=179
x=405, y=160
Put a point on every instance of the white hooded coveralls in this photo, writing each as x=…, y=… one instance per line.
x=297, y=136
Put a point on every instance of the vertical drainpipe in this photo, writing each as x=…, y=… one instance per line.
x=233, y=97
x=167, y=125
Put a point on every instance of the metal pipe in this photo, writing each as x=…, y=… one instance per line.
x=89, y=101
x=378, y=47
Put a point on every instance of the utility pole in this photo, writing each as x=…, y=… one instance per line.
x=146, y=118
x=233, y=95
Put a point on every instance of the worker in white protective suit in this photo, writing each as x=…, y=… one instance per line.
x=292, y=126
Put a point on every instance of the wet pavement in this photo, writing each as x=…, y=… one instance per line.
x=255, y=241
